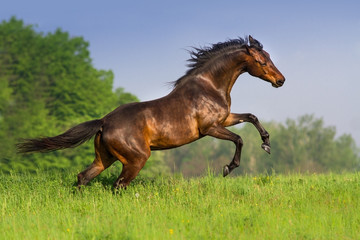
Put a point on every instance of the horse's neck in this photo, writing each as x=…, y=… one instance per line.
x=219, y=75
x=225, y=78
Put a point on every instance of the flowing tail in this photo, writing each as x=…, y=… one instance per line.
x=69, y=139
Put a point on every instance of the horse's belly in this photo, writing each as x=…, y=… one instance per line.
x=173, y=136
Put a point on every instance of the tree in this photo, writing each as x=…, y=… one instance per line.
x=47, y=85
x=124, y=97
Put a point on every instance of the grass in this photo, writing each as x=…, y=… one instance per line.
x=48, y=206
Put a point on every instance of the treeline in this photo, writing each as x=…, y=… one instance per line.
x=48, y=84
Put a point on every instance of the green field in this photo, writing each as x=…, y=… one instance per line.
x=48, y=206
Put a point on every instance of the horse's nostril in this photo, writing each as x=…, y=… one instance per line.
x=280, y=82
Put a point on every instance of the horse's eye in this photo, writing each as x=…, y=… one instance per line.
x=263, y=64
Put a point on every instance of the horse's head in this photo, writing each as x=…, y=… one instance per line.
x=260, y=65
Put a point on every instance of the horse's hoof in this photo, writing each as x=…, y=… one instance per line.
x=226, y=170
x=266, y=147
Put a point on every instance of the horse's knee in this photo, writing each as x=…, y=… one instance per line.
x=253, y=118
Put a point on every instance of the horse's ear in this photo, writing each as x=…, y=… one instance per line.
x=251, y=41
x=255, y=43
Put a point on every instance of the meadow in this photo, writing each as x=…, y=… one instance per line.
x=47, y=205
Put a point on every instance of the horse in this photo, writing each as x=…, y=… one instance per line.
x=198, y=106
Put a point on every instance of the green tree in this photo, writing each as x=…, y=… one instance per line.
x=124, y=97
x=47, y=85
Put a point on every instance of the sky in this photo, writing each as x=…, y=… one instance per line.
x=315, y=44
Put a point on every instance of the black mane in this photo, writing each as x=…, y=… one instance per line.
x=200, y=56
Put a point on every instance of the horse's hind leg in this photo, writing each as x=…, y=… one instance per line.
x=103, y=159
x=129, y=172
x=222, y=133
x=133, y=161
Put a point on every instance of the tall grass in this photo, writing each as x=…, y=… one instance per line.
x=48, y=206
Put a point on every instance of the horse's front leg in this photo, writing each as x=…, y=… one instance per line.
x=236, y=118
x=221, y=132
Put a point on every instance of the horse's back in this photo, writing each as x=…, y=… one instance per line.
x=163, y=123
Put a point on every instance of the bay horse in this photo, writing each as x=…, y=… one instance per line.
x=198, y=106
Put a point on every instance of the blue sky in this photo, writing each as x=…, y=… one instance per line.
x=315, y=44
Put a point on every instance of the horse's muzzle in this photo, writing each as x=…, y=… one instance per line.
x=280, y=82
